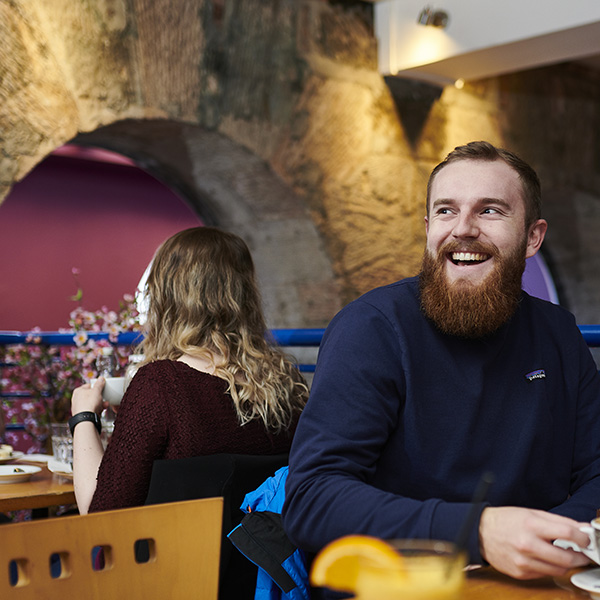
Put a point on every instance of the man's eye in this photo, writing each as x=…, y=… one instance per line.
x=490, y=211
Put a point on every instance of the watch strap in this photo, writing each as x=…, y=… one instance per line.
x=85, y=416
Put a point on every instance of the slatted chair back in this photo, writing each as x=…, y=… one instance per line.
x=57, y=558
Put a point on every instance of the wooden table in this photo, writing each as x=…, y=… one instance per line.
x=43, y=490
x=488, y=584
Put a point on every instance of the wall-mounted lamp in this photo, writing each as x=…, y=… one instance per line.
x=435, y=18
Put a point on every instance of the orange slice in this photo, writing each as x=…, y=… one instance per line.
x=338, y=563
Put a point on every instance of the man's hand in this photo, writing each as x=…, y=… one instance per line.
x=518, y=542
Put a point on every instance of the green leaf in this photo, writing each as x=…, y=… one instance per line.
x=78, y=296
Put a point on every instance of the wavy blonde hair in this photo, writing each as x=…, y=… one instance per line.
x=203, y=300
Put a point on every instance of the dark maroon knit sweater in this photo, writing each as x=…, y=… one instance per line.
x=171, y=410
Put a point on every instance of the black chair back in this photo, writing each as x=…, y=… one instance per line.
x=230, y=476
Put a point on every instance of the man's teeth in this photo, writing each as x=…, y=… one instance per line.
x=468, y=256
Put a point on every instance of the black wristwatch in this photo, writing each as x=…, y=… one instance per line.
x=85, y=416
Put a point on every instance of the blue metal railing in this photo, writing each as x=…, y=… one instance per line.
x=284, y=337
x=591, y=334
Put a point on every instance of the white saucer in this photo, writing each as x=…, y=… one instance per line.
x=17, y=473
x=13, y=456
x=588, y=581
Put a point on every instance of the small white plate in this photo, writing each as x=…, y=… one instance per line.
x=37, y=458
x=13, y=456
x=60, y=468
x=17, y=473
x=588, y=581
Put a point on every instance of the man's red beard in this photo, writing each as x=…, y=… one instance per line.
x=466, y=309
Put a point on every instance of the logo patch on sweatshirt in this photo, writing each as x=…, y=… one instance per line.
x=539, y=374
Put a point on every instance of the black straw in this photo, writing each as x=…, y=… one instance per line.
x=481, y=492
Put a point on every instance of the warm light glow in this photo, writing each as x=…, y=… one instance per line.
x=459, y=84
x=428, y=45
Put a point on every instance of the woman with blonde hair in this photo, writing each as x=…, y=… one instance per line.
x=211, y=382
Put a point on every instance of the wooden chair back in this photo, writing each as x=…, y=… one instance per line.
x=184, y=539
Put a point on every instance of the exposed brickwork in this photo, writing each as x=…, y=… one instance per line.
x=272, y=119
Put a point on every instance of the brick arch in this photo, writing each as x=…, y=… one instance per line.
x=295, y=83
x=232, y=188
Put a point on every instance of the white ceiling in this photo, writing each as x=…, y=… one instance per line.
x=484, y=37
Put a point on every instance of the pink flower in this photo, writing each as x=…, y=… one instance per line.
x=88, y=374
x=80, y=338
x=111, y=317
x=50, y=373
x=36, y=339
x=89, y=318
x=114, y=331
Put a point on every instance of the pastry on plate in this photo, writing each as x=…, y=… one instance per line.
x=5, y=451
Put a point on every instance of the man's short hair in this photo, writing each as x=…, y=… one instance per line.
x=484, y=151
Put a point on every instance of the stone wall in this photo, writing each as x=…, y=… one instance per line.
x=271, y=118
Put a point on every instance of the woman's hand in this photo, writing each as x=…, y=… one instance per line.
x=87, y=398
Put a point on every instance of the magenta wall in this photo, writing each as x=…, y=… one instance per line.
x=104, y=218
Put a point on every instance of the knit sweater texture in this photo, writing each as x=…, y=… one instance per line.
x=171, y=410
x=403, y=420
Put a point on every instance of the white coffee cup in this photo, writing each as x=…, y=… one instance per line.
x=114, y=388
x=592, y=550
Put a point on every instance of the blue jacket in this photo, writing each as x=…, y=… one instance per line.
x=282, y=571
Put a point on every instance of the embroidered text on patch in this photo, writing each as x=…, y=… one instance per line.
x=539, y=374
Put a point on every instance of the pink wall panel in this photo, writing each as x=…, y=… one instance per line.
x=103, y=218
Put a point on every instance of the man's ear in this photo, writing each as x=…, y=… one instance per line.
x=535, y=237
x=426, y=225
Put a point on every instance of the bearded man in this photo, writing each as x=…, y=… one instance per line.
x=423, y=385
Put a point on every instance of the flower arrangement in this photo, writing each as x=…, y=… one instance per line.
x=46, y=375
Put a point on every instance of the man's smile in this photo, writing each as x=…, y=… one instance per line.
x=468, y=258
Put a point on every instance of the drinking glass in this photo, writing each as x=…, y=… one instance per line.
x=62, y=443
x=431, y=570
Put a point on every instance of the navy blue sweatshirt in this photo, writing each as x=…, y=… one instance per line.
x=403, y=420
